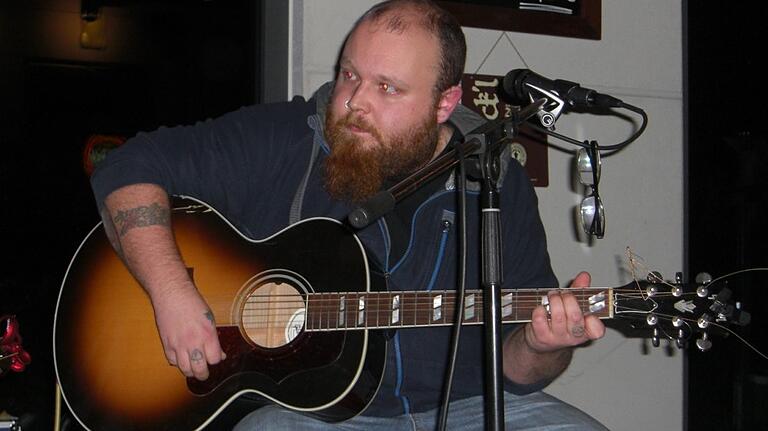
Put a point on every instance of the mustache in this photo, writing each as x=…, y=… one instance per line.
x=352, y=120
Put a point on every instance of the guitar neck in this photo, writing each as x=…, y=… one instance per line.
x=339, y=311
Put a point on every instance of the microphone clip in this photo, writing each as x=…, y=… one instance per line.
x=552, y=107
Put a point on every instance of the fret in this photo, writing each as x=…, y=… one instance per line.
x=327, y=310
x=311, y=312
x=350, y=305
x=310, y=317
x=415, y=305
x=322, y=312
x=319, y=312
x=352, y=309
x=386, y=309
x=355, y=310
x=376, y=306
x=449, y=306
x=409, y=300
x=517, y=304
x=333, y=317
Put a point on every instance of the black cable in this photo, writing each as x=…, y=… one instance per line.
x=461, y=188
x=611, y=148
x=637, y=134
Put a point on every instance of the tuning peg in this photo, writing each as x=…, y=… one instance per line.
x=678, y=277
x=655, y=339
x=655, y=277
x=677, y=321
x=703, y=278
x=704, y=343
x=704, y=321
x=742, y=317
x=680, y=340
x=651, y=319
x=702, y=291
x=677, y=291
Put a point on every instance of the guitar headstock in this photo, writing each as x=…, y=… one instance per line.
x=677, y=311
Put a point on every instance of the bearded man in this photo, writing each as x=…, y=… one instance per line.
x=393, y=107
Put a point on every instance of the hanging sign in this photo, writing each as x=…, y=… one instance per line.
x=529, y=148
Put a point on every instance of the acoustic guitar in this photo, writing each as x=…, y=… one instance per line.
x=291, y=335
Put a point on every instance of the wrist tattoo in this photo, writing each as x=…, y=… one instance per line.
x=142, y=216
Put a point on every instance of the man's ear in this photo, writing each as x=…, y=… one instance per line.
x=447, y=103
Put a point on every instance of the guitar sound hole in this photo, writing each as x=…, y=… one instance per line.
x=273, y=314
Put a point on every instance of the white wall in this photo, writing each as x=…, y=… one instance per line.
x=638, y=59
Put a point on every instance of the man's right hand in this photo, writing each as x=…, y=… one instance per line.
x=188, y=331
x=137, y=220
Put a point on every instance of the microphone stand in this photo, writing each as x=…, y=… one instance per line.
x=487, y=141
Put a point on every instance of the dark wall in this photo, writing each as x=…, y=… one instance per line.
x=727, y=202
x=183, y=62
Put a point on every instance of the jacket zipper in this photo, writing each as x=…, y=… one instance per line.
x=446, y=230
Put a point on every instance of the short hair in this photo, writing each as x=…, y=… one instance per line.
x=399, y=14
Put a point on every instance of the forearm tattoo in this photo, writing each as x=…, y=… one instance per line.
x=142, y=216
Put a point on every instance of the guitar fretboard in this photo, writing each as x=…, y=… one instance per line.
x=383, y=310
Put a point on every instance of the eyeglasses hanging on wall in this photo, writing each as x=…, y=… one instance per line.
x=591, y=210
x=557, y=97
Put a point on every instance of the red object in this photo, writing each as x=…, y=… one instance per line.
x=10, y=346
x=96, y=148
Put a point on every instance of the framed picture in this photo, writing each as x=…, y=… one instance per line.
x=568, y=18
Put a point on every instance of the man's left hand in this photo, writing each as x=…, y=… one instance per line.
x=566, y=325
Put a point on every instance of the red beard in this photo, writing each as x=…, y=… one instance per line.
x=354, y=173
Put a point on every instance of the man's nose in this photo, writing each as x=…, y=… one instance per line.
x=361, y=99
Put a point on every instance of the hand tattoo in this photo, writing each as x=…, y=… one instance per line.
x=577, y=331
x=196, y=355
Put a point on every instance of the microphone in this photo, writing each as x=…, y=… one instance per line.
x=523, y=84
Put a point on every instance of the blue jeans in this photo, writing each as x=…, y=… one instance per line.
x=533, y=412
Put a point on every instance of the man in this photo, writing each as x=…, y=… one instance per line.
x=393, y=108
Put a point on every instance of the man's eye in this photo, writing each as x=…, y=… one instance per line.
x=388, y=88
x=347, y=75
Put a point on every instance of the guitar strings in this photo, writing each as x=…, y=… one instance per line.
x=324, y=307
x=331, y=301
x=740, y=338
x=266, y=310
